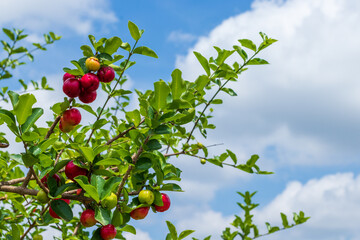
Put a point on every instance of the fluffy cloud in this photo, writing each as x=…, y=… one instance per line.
x=42, y=15
x=331, y=201
x=305, y=104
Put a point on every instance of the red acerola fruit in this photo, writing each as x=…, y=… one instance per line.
x=166, y=201
x=139, y=213
x=45, y=178
x=87, y=97
x=87, y=218
x=71, y=87
x=90, y=82
x=53, y=214
x=67, y=76
x=72, y=116
x=108, y=232
x=72, y=170
x=106, y=74
x=65, y=126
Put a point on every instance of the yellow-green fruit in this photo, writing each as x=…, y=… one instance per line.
x=92, y=63
x=42, y=197
x=203, y=161
x=146, y=196
x=58, y=145
x=200, y=145
x=37, y=237
x=110, y=201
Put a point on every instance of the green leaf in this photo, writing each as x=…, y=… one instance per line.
x=217, y=101
x=35, y=115
x=29, y=159
x=153, y=144
x=172, y=230
x=62, y=209
x=201, y=82
x=251, y=162
x=108, y=186
x=185, y=233
x=15, y=232
x=177, y=84
x=161, y=93
x=109, y=162
x=100, y=123
x=112, y=45
x=203, y=61
x=248, y=44
x=134, y=31
x=23, y=107
x=284, y=220
x=30, y=136
x=143, y=164
x=232, y=156
x=133, y=117
x=7, y=117
x=103, y=216
x=257, y=61
x=89, y=189
x=162, y=129
x=9, y=33
x=145, y=51
x=14, y=98
x=129, y=228
x=87, y=51
x=171, y=187
x=87, y=152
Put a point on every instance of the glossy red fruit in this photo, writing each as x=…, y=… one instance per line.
x=166, y=201
x=87, y=97
x=87, y=218
x=71, y=87
x=72, y=116
x=108, y=232
x=72, y=170
x=106, y=74
x=139, y=213
x=67, y=76
x=90, y=82
x=45, y=178
x=65, y=126
x=53, y=214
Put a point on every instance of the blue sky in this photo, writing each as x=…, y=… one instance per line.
x=301, y=113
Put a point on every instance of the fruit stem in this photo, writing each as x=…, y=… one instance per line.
x=112, y=91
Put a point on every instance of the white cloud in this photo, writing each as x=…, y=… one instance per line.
x=305, y=104
x=332, y=203
x=139, y=235
x=181, y=37
x=41, y=15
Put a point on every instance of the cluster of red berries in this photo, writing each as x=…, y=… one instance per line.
x=147, y=197
x=86, y=86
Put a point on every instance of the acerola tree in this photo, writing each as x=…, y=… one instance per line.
x=115, y=169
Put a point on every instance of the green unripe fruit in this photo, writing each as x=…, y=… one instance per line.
x=37, y=237
x=146, y=196
x=203, y=161
x=42, y=197
x=200, y=145
x=110, y=201
x=58, y=145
